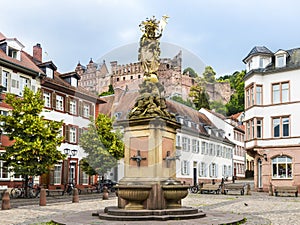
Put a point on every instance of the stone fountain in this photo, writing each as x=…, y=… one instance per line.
x=149, y=189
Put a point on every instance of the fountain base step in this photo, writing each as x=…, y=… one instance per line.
x=117, y=214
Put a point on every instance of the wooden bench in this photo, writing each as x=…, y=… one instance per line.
x=214, y=188
x=286, y=189
x=57, y=191
x=234, y=186
x=86, y=190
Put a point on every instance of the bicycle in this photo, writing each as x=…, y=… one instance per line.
x=69, y=188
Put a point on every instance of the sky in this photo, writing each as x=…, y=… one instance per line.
x=218, y=33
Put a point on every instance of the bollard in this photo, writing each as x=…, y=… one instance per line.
x=248, y=192
x=5, y=201
x=105, y=193
x=75, y=196
x=271, y=190
x=43, y=198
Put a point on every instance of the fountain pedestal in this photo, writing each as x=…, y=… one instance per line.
x=148, y=141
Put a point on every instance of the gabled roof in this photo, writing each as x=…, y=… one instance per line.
x=24, y=63
x=258, y=50
x=70, y=74
x=47, y=64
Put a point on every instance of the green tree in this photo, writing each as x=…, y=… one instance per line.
x=236, y=103
x=200, y=97
x=179, y=99
x=102, y=146
x=219, y=107
x=190, y=72
x=109, y=92
x=209, y=75
x=35, y=140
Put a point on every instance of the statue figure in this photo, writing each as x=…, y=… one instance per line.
x=150, y=103
x=149, y=50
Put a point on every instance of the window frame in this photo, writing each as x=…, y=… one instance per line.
x=280, y=92
x=281, y=126
x=287, y=163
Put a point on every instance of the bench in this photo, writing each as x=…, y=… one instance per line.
x=55, y=191
x=234, y=186
x=214, y=188
x=86, y=190
x=286, y=189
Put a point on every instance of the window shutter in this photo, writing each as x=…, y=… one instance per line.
x=53, y=100
x=67, y=133
x=67, y=104
x=65, y=172
x=80, y=108
x=51, y=176
x=205, y=170
x=80, y=174
x=182, y=167
x=210, y=170
x=92, y=111
x=188, y=167
x=217, y=170
x=223, y=171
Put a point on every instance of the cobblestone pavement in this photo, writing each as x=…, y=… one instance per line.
x=257, y=208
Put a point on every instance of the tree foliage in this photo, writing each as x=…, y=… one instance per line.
x=102, y=146
x=190, y=72
x=109, y=92
x=209, y=75
x=236, y=103
x=219, y=107
x=199, y=96
x=179, y=99
x=35, y=140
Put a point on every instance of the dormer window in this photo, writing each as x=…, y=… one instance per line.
x=280, y=58
x=49, y=72
x=74, y=82
x=15, y=54
x=280, y=61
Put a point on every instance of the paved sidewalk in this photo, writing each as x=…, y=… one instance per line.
x=258, y=208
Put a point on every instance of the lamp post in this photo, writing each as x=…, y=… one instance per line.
x=70, y=153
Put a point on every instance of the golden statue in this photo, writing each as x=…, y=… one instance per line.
x=150, y=103
x=149, y=50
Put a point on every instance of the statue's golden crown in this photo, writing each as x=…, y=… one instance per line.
x=149, y=23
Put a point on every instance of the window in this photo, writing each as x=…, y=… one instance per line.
x=213, y=170
x=258, y=95
x=211, y=146
x=59, y=102
x=5, y=77
x=259, y=128
x=224, y=171
x=202, y=169
x=280, y=92
x=195, y=146
x=280, y=61
x=185, y=144
x=24, y=82
x=49, y=72
x=281, y=126
x=47, y=99
x=13, y=53
x=73, y=107
x=185, y=167
x=282, y=167
x=85, y=178
x=86, y=110
x=3, y=169
x=57, y=174
x=178, y=139
x=203, y=144
x=73, y=135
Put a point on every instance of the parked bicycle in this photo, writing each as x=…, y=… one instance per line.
x=69, y=188
x=19, y=192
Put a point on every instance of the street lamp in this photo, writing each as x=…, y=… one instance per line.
x=70, y=153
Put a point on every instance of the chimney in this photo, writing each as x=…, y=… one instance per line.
x=37, y=52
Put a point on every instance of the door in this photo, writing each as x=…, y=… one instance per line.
x=259, y=173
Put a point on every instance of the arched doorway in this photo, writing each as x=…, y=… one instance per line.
x=259, y=173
